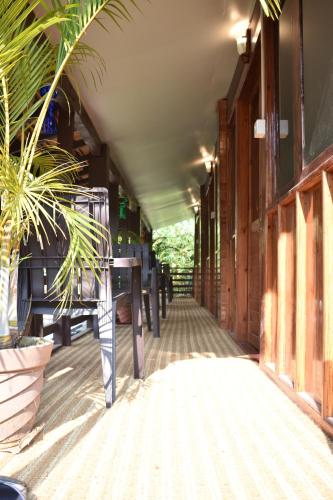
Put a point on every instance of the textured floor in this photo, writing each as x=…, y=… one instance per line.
x=203, y=425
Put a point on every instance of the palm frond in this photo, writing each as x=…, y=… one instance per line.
x=272, y=8
x=37, y=184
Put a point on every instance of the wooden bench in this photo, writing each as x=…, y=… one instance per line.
x=93, y=299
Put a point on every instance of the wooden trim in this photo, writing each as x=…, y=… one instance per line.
x=302, y=208
x=323, y=161
x=327, y=192
x=310, y=177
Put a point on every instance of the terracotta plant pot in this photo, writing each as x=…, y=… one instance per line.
x=21, y=382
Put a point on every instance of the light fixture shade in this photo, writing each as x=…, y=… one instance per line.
x=241, y=45
x=208, y=165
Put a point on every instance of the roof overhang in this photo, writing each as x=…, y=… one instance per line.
x=156, y=106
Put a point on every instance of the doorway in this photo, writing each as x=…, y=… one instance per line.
x=247, y=201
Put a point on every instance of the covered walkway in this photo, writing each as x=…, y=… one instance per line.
x=205, y=424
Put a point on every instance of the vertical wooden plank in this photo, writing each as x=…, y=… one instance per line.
x=269, y=320
x=138, y=341
x=211, y=221
x=155, y=303
x=163, y=294
x=204, y=245
x=302, y=207
x=114, y=209
x=286, y=290
x=63, y=334
x=37, y=325
x=282, y=289
x=242, y=210
x=269, y=94
x=297, y=78
x=196, y=283
x=327, y=189
x=146, y=302
x=225, y=217
x=270, y=77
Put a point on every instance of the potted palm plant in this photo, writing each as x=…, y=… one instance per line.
x=34, y=181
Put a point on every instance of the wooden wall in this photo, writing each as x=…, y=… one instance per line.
x=272, y=285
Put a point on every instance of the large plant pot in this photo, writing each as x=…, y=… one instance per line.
x=21, y=382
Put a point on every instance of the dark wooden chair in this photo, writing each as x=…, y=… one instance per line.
x=150, y=280
x=93, y=298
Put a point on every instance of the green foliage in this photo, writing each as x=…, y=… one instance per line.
x=31, y=202
x=174, y=245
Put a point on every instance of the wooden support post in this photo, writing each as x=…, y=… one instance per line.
x=211, y=222
x=94, y=325
x=155, y=303
x=62, y=335
x=203, y=244
x=106, y=326
x=114, y=359
x=163, y=295
x=269, y=68
x=225, y=218
x=327, y=404
x=37, y=325
x=302, y=207
x=138, y=341
x=242, y=214
x=147, y=310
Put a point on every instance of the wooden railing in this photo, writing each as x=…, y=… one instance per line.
x=182, y=279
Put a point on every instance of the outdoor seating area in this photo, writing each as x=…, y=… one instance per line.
x=201, y=425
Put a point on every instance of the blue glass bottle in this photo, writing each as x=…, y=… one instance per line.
x=50, y=126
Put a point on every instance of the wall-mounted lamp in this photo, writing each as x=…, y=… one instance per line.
x=260, y=129
x=209, y=163
x=196, y=209
x=244, y=46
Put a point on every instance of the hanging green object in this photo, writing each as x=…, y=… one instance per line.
x=122, y=208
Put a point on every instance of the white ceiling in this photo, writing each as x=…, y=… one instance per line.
x=156, y=106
